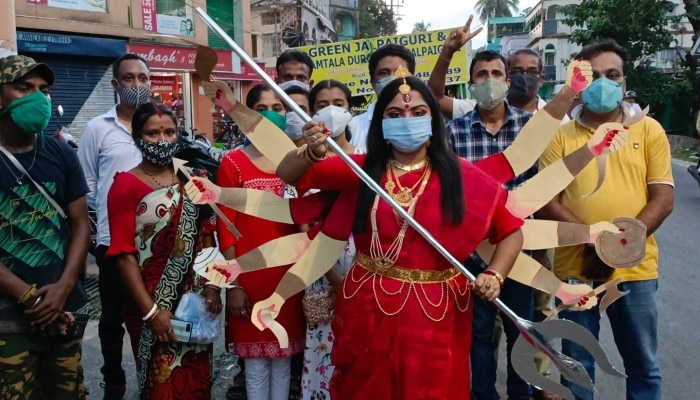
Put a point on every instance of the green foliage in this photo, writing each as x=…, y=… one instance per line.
x=640, y=26
x=654, y=88
x=495, y=8
x=376, y=19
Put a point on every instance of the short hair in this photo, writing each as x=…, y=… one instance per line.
x=294, y=55
x=485, y=55
x=146, y=111
x=294, y=89
x=391, y=49
x=604, y=46
x=524, y=52
x=127, y=56
x=255, y=93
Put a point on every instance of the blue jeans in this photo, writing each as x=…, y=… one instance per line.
x=633, y=319
x=518, y=298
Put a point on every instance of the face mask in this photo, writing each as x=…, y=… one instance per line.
x=278, y=119
x=133, y=97
x=381, y=84
x=336, y=119
x=294, y=125
x=489, y=94
x=523, y=88
x=30, y=113
x=159, y=153
x=603, y=96
x=292, y=83
x=407, y=134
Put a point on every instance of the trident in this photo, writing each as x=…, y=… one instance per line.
x=534, y=337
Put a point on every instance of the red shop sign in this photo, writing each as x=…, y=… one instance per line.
x=178, y=58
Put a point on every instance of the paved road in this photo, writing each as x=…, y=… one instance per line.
x=679, y=331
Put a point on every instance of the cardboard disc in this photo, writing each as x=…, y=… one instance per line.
x=625, y=249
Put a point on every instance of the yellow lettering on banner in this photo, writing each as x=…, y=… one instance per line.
x=347, y=61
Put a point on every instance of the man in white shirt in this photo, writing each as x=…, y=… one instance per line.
x=106, y=148
x=383, y=63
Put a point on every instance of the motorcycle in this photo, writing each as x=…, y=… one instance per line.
x=63, y=132
x=693, y=169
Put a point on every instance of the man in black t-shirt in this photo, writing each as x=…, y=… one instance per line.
x=42, y=254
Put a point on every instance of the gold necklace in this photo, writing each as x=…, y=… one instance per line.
x=404, y=196
x=172, y=177
x=410, y=167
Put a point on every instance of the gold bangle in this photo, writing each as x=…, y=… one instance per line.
x=212, y=286
x=313, y=156
x=497, y=275
x=27, y=295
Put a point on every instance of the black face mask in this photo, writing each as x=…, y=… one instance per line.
x=523, y=88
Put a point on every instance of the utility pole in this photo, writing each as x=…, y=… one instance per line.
x=8, y=30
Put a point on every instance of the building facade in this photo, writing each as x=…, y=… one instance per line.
x=81, y=39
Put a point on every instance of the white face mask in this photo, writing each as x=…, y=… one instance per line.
x=336, y=119
x=294, y=125
x=286, y=85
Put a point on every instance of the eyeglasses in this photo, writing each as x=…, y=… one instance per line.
x=521, y=71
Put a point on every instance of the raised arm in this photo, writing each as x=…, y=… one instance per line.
x=454, y=43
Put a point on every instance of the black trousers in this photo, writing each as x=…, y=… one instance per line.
x=110, y=328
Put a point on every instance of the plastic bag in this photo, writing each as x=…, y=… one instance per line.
x=206, y=326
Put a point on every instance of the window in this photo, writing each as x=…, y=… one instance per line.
x=269, y=18
x=254, y=45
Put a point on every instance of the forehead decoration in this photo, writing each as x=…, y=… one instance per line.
x=404, y=89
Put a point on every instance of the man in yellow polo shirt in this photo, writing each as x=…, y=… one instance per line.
x=638, y=183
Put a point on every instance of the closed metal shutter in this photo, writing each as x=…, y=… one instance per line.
x=82, y=87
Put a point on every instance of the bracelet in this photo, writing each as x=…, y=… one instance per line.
x=27, y=295
x=212, y=286
x=313, y=156
x=152, y=313
x=495, y=274
x=449, y=60
x=234, y=286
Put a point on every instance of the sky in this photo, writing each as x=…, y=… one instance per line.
x=443, y=14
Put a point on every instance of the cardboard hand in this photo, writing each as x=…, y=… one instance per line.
x=608, y=138
x=579, y=75
x=222, y=272
x=202, y=191
x=598, y=228
x=578, y=297
x=220, y=94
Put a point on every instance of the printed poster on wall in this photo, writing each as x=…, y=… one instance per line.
x=171, y=17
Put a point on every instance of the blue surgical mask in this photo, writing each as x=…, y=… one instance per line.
x=603, y=96
x=407, y=134
x=381, y=84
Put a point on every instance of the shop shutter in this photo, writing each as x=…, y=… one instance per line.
x=222, y=13
x=82, y=87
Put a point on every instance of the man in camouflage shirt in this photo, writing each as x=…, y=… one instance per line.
x=42, y=254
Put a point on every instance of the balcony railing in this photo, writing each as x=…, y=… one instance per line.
x=344, y=3
x=550, y=73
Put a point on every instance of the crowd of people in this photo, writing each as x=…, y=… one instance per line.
x=405, y=324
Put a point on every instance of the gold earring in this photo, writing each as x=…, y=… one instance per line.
x=428, y=143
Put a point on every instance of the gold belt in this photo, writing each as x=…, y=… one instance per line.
x=384, y=267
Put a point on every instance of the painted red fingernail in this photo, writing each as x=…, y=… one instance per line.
x=621, y=229
x=626, y=127
x=623, y=241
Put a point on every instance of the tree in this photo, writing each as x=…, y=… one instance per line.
x=641, y=27
x=421, y=27
x=690, y=61
x=495, y=8
x=525, y=12
x=376, y=19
